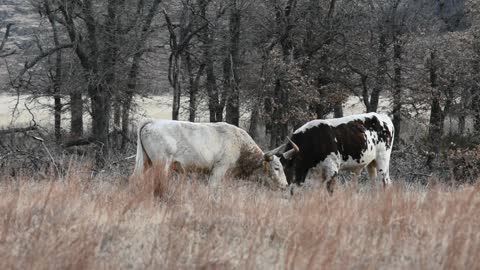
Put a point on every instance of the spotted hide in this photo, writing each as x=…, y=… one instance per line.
x=216, y=149
x=349, y=143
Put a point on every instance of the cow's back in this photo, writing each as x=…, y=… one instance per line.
x=199, y=145
x=352, y=141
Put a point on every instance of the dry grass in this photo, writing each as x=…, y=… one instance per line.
x=170, y=223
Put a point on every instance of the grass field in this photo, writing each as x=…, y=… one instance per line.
x=177, y=223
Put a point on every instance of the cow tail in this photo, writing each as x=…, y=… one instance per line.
x=142, y=160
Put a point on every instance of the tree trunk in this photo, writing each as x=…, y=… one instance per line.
x=216, y=114
x=254, y=119
x=126, y=108
x=76, y=113
x=101, y=104
x=381, y=73
x=57, y=80
x=475, y=91
x=232, y=65
x=109, y=64
x=280, y=125
x=436, y=112
x=476, y=109
x=134, y=69
x=338, y=110
x=397, y=88
x=57, y=108
x=177, y=90
x=193, y=81
x=281, y=92
x=117, y=112
x=461, y=125
x=215, y=107
x=117, y=121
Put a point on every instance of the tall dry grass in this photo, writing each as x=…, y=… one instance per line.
x=161, y=222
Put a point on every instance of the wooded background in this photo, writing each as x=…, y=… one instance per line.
x=281, y=62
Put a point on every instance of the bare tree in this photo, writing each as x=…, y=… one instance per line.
x=179, y=49
x=231, y=65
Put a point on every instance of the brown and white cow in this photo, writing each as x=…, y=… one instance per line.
x=348, y=143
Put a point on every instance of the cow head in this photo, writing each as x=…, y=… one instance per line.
x=274, y=169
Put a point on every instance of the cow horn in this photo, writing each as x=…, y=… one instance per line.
x=290, y=153
x=295, y=147
x=275, y=151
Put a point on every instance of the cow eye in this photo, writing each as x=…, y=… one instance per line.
x=277, y=169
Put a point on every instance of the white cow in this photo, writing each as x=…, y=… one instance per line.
x=215, y=148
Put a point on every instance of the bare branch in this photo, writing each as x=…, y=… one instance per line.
x=82, y=141
x=5, y=36
x=17, y=130
x=37, y=59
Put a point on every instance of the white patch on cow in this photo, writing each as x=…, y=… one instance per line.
x=338, y=121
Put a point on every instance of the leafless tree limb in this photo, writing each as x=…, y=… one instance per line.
x=5, y=36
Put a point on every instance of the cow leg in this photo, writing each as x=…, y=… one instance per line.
x=329, y=177
x=289, y=175
x=217, y=175
x=383, y=169
x=372, y=171
x=300, y=175
x=167, y=167
x=356, y=173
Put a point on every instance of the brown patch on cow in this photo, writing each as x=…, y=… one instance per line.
x=250, y=160
x=351, y=140
x=331, y=186
x=147, y=162
x=372, y=169
x=179, y=168
x=381, y=129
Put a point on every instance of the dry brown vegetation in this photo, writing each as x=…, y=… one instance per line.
x=171, y=223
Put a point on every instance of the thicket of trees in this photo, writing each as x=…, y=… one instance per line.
x=283, y=61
